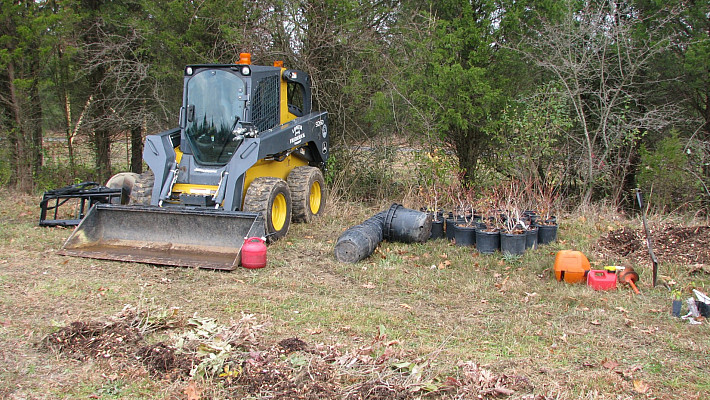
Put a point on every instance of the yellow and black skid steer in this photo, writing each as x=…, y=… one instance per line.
x=246, y=160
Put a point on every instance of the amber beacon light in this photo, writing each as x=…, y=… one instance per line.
x=244, y=59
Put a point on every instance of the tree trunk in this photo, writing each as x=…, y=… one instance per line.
x=468, y=153
x=102, y=145
x=20, y=163
x=137, y=149
x=63, y=95
x=35, y=120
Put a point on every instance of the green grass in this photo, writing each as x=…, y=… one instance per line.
x=507, y=314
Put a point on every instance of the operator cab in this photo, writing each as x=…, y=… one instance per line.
x=223, y=104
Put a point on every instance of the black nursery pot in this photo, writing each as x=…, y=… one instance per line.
x=450, y=223
x=546, y=234
x=465, y=235
x=437, y=229
x=487, y=242
x=531, y=238
x=513, y=243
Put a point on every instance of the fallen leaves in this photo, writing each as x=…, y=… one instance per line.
x=529, y=296
x=191, y=391
x=501, y=285
x=609, y=364
x=640, y=386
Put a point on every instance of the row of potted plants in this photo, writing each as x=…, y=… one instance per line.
x=511, y=233
x=512, y=216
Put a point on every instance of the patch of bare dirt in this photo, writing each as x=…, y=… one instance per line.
x=671, y=244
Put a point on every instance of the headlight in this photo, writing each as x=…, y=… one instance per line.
x=246, y=71
x=188, y=71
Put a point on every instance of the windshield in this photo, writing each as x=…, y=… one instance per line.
x=213, y=110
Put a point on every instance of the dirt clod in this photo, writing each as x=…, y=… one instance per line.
x=293, y=344
x=161, y=358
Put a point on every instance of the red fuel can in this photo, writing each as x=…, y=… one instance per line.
x=599, y=279
x=254, y=253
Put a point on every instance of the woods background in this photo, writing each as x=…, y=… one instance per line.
x=593, y=98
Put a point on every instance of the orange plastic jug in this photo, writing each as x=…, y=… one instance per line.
x=571, y=266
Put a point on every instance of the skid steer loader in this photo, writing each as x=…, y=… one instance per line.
x=246, y=160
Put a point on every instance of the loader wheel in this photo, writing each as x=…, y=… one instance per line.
x=143, y=189
x=272, y=198
x=307, y=192
x=125, y=181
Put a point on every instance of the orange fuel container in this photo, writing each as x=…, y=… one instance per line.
x=571, y=266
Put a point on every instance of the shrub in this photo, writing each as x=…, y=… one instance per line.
x=667, y=176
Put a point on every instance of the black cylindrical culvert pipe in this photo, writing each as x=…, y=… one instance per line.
x=396, y=224
x=407, y=225
x=361, y=240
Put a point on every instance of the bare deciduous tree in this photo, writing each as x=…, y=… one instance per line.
x=602, y=54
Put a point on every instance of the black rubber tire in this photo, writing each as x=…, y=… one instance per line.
x=272, y=198
x=125, y=181
x=307, y=193
x=142, y=191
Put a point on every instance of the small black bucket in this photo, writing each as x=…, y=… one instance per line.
x=531, y=238
x=546, y=234
x=487, y=242
x=437, y=229
x=406, y=225
x=465, y=235
x=513, y=243
x=450, y=224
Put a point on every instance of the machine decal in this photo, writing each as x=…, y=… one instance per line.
x=298, y=135
x=323, y=129
x=207, y=171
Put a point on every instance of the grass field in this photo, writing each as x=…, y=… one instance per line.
x=426, y=313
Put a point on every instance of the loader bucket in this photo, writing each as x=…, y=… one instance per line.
x=201, y=238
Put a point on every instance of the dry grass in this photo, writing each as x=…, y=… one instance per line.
x=508, y=315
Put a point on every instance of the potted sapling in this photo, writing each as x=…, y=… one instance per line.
x=488, y=233
x=513, y=237
x=465, y=227
x=548, y=198
x=677, y=296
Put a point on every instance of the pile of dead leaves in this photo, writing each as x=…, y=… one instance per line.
x=671, y=244
x=209, y=357
x=120, y=341
x=84, y=340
